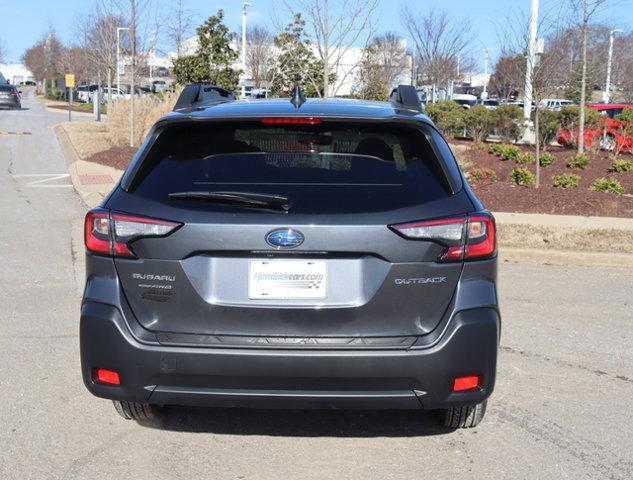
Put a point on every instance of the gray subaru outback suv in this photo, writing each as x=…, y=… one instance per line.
x=294, y=254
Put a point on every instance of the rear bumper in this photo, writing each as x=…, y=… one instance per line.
x=9, y=103
x=268, y=378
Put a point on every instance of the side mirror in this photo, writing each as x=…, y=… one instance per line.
x=19, y=91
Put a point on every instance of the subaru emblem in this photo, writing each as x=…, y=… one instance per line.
x=284, y=238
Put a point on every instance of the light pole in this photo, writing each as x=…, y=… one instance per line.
x=606, y=96
x=245, y=5
x=484, y=94
x=527, y=99
x=118, y=56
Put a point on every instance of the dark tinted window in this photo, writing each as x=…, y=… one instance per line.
x=327, y=167
x=6, y=88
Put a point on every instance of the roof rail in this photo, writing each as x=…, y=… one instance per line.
x=405, y=96
x=202, y=94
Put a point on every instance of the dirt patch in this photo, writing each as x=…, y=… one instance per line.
x=88, y=138
x=116, y=157
x=506, y=196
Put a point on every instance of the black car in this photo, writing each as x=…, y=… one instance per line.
x=10, y=97
x=316, y=253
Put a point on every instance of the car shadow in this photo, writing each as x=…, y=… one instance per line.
x=298, y=423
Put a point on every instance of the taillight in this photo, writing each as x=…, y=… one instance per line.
x=291, y=121
x=110, y=233
x=13, y=94
x=465, y=238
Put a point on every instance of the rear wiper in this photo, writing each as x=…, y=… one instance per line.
x=247, y=199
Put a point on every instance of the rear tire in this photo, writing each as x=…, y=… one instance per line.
x=464, y=417
x=136, y=411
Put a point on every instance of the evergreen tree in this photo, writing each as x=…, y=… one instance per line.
x=214, y=57
x=296, y=64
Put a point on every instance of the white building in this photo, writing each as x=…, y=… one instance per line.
x=15, y=73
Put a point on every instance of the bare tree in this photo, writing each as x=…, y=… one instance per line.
x=178, y=26
x=440, y=42
x=42, y=59
x=384, y=62
x=589, y=8
x=514, y=40
x=259, y=55
x=3, y=50
x=98, y=33
x=335, y=30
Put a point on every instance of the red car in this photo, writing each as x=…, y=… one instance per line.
x=609, y=134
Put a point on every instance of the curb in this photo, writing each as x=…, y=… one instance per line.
x=90, y=194
x=565, y=258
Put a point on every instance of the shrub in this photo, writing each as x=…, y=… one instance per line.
x=570, y=116
x=483, y=174
x=524, y=158
x=620, y=166
x=448, y=116
x=549, y=122
x=580, y=160
x=566, y=180
x=56, y=94
x=522, y=176
x=479, y=123
x=496, y=148
x=507, y=121
x=607, y=185
x=546, y=159
x=147, y=109
x=509, y=152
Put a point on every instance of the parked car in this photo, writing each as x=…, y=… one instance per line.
x=609, y=132
x=84, y=92
x=160, y=86
x=292, y=253
x=10, y=97
x=490, y=104
x=555, y=103
x=116, y=93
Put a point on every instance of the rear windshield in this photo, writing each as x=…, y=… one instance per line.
x=6, y=88
x=333, y=166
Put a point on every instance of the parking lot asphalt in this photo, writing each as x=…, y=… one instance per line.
x=562, y=407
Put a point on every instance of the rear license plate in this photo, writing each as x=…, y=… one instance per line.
x=287, y=279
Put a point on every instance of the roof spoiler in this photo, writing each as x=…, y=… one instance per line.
x=405, y=96
x=202, y=94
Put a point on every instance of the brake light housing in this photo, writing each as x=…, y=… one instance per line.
x=110, y=233
x=471, y=237
x=291, y=121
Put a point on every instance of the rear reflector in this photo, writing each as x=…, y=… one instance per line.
x=466, y=383
x=109, y=377
x=465, y=238
x=110, y=233
x=291, y=121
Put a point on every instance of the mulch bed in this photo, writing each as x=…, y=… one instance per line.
x=116, y=157
x=505, y=196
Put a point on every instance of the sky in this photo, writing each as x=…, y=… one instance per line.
x=28, y=20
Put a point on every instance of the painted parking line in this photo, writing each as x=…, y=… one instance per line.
x=14, y=133
x=43, y=180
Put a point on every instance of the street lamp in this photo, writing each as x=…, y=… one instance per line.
x=484, y=94
x=606, y=95
x=118, y=56
x=244, y=6
x=531, y=59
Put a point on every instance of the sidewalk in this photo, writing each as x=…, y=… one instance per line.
x=92, y=181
